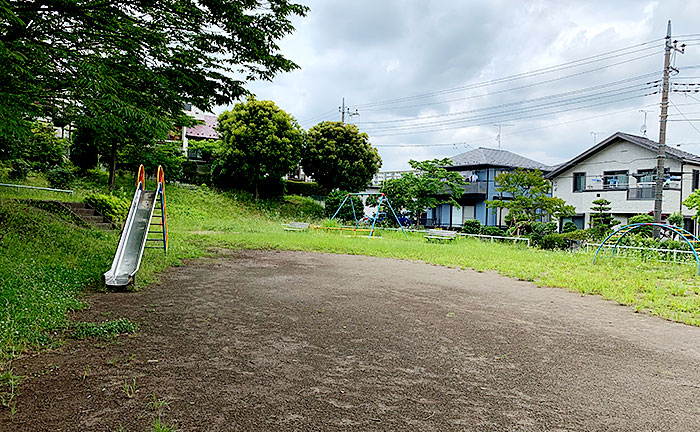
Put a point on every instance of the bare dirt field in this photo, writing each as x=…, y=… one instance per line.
x=270, y=341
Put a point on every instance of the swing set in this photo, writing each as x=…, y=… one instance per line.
x=382, y=198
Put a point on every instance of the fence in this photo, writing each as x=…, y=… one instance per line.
x=480, y=236
x=663, y=255
x=36, y=188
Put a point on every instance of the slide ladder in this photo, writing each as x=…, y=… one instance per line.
x=135, y=235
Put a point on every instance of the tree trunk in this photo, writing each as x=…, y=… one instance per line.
x=256, y=190
x=113, y=166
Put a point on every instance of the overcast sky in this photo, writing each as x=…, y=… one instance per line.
x=421, y=74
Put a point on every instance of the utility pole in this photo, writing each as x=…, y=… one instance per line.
x=345, y=110
x=661, y=155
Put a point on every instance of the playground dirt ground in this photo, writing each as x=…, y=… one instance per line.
x=297, y=341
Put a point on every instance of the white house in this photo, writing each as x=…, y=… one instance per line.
x=622, y=170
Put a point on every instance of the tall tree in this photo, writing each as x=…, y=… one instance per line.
x=259, y=142
x=527, y=198
x=338, y=156
x=130, y=65
x=601, y=219
x=430, y=186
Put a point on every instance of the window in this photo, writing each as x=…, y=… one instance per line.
x=696, y=179
x=646, y=177
x=615, y=180
x=579, y=182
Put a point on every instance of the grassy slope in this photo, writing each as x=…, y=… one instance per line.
x=45, y=263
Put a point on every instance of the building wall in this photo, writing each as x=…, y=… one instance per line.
x=623, y=156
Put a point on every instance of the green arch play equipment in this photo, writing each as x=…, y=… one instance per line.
x=618, y=234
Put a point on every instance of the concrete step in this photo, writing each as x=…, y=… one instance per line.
x=103, y=225
x=82, y=211
x=93, y=219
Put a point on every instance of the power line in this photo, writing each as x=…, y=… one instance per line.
x=550, y=69
x=526, y=101
x=608, y=114
x=506, y=115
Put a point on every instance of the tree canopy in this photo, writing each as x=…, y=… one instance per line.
x=259, y=142
x=431, y=185
x=526, y=197
x=129, y=66
x=338, y=156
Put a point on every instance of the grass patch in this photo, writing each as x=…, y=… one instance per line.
x=104, y=330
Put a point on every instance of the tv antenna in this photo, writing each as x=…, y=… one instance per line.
x=643, y=128
x=498, y=137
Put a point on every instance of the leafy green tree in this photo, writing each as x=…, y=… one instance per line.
x=431, y=185
x=693, y=203
x=338, y=156
x=259, y=142
x=601, y=220
x=528, y=198
x=128, y=67
x=41, y=148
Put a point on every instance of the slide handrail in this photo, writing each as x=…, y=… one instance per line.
x=161, y=190
x=141, y=178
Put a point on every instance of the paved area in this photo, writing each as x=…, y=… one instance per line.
x=287, y=341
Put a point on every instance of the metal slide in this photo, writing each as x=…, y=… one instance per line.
x=135, y=234
x=133, y=240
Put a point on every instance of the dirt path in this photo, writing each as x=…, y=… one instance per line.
x=304, y=341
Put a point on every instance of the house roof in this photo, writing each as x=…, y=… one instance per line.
x=207, y=130
x=483, y=156
x=671, y=152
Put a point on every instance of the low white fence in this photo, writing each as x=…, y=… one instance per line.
x=670, y=255
x=479, y=236
x=36, y=188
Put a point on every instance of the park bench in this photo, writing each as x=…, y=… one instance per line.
x=440, y=235
x=296, y=226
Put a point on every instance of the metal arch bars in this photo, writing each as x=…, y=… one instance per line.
x=623, y=231
x=382, y=198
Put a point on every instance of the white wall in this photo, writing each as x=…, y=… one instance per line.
x=621, y=155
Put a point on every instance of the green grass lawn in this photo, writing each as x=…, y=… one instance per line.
x=46, y=263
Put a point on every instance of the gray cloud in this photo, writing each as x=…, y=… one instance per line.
x=375, y=51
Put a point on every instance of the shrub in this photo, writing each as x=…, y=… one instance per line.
x=111, y=207
x=676, y=219
x=492, y=230
x=299, y=207
x=577, y=235
x=568, y=227
x=60, y=177
x=554, y=241
x=304, y=188
x=642, y=218
x=471, y=226
x=20, y=169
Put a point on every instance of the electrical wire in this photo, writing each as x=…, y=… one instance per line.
x=537, y=72
x=541, y=110
x=526, y=101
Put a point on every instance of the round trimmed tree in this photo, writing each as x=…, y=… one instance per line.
x=338, y=156
x=259, y=144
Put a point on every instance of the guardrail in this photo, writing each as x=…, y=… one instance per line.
x=36, y=188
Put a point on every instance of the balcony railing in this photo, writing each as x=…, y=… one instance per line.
x=477, y=187
x=640, y=193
